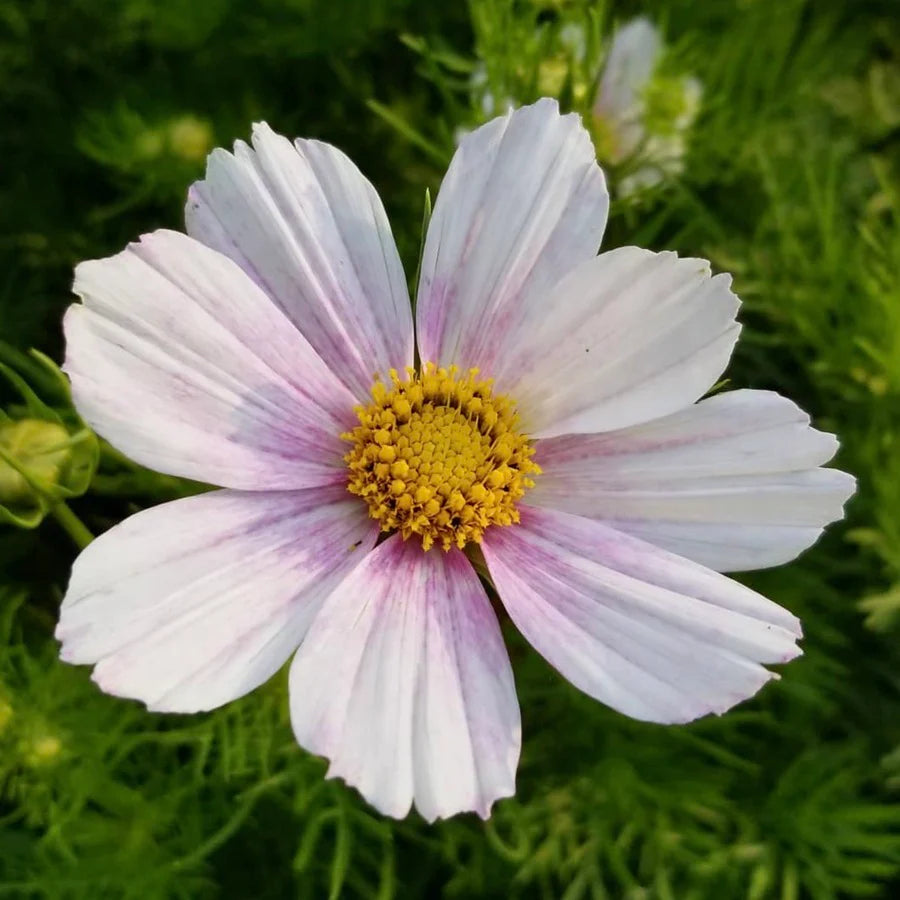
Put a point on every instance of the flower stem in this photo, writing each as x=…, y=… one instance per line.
x=72, y=525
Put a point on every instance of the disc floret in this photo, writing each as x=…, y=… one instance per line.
x=439, y=456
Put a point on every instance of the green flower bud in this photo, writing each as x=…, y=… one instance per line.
x=46, y=456
x=41, y=750
x=190, y=138
x=33, y=455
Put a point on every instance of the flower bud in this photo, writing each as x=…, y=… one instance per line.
x=33, y=456
x=190, y=138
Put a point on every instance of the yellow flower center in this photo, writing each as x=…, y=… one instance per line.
x=437, y=455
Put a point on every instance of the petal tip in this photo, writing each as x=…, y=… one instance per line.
x=850, y=481
x=262, y=131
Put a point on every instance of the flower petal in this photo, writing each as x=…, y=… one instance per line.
x=730, y=482
x=633, y=336
x=306, y=225
x=648, y=633
x=181, y=362
x=191, y=604
x=403, y=682
x=630, y=64
x=522, y=203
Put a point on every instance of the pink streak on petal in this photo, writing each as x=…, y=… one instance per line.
x=182, y=363
x=191, y=604
x=403, y=682
x=731, y=482
x=310, y=230
x=522, y=203
x=646, y=632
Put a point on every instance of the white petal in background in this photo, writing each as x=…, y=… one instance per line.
x=404, y=684
x=306, y=225
x=194, y=603
x=627, y=337
x=522, y=203
x=730, y=482
x=630, y=64
x=648, y=633
x=179, y=360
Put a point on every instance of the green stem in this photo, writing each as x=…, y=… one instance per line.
x=72, y=525
x=212, y=843
x=117, y=456
x=144, y=484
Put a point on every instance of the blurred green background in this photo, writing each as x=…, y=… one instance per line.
x=791, y=180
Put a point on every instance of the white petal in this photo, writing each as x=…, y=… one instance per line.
x=630, y=64
x=646, y=632
x=191, y=604
x=730, y=482
x=522, y=203
x=306, y=225
x=403, y=682
x=181, y=362
x=632, y=336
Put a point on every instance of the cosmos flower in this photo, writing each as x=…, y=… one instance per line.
x=552, y=432
x=642, y=115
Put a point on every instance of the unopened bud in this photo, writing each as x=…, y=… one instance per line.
x=32, y=456
x=190, y=138
x=42, y=750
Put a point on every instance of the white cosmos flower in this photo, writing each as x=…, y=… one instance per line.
x=621, y=107
x=256, y=354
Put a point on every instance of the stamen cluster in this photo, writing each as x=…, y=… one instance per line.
x=437, y=455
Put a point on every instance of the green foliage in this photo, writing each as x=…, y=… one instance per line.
x=791, y=181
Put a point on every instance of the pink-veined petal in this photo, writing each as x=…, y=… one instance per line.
x=306, y=225
x=522, y=203
x=191, y=604
x=178, y=359
x=625, y=338
x=731, y=482
x=404, y=684
x=648, y=633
